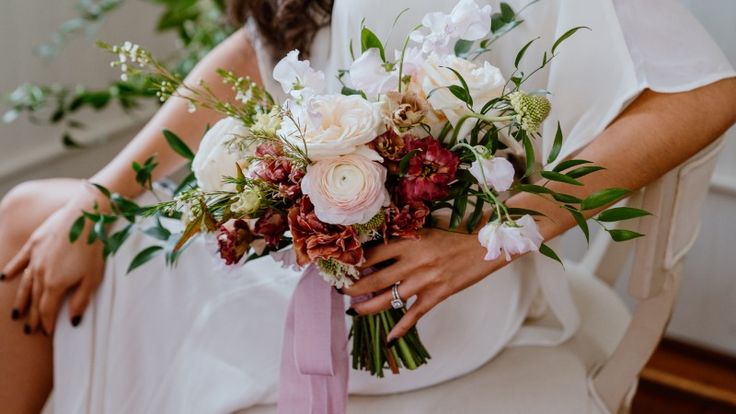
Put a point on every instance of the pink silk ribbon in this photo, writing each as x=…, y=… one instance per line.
x=314, y=358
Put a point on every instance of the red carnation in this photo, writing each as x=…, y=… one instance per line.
x=234, y=240
x=314, y=239
x=276, y=168
x=407, y=221
x=271, y=226
x=431, y=170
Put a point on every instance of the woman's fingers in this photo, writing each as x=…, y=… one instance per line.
x=382, y=252
x=23, y=295
x=80, y=300
x=34, y=316
x=49, y=305
x=19, y=262
x=423, y=305
x=381, y=279
x=382, y=301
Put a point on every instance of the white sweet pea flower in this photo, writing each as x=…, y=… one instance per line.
x=368, y=73
x=333, y=125
x=484, y=80
x=216, y=159
x=297, y=77
x=346, y=190
x=466, y=21
x=496, y=172
x=513, y=239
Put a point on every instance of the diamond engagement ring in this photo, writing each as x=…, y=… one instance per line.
x=396, y=301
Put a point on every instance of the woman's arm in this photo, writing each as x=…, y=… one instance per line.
x=235, y=54
x=654, y=134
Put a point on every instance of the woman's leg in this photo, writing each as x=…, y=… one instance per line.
x=25, y=360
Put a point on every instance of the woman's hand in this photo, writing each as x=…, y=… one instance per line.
x=50, y=267
x=432, y=268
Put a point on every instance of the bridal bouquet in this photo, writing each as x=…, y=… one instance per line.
x=410, y=136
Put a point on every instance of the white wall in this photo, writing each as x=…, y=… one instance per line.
x=706, y=311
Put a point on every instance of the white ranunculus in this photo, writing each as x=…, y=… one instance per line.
x=466, y=21
x=484, y=80
x=297, y=77
x=346, y=190
x=333, y=125
x=368, y=74
x=496, y=173
x=512, y=239
x=215, y=160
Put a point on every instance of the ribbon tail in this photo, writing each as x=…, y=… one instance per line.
x=314, y=359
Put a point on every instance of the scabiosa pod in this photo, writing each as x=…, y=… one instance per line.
x=531, y=110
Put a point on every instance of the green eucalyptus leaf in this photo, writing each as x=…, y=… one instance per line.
x=529, y=150
x=476, y=215
x=460, y=93
x=521, y=53
x=603, y=197
x=369, y=40
x=565, y=36
x=143, y=257
x=507, y=13
x=404, y=163
x=583, y=171
x=547, y=251
x=178, y=145
x=569, y=164
x=620, y=235
x=566, y=198
x=534, y=188
x=76, y=229
x=581, y=221
x=556, y=145
x=622, y=213
x=462, y=47
x=562, y=178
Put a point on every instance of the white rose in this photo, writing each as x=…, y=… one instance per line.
x=297, y=78
x=333, y=125
x=346, y=190
x=368, y=74
x=512, y=239
x=215, y=160
x=497, y=172
x=484, y=80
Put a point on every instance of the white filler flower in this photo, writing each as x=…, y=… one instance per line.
x=368, y=73
x=512, y=239
x=466, y=21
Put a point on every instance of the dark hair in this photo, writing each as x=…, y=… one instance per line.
x=283, y=24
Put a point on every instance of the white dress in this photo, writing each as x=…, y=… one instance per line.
x=201, y=339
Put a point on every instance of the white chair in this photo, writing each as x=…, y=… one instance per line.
x=597, y=370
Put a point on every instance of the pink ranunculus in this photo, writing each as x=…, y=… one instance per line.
x=234, y=241
x=314, y=239
x=346, y=190
x=430, y=171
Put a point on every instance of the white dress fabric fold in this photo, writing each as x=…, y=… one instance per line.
x=199, y=338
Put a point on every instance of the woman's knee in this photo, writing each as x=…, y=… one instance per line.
x=26, y=206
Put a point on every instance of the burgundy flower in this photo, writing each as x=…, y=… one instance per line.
x=234, y=240
x=430, y=171
x=407, y=221
x=314, y=239
x=271, y=226
x=389, y=145
x=275, y=168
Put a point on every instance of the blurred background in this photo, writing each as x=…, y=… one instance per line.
x=66, y=113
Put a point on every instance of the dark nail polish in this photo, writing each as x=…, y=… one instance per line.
x=351, y=312
x=15, y=315
x=2, y=276
x=76, y=321
x=27, y=329
x=391, y=343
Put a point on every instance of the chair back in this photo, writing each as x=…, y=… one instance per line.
x=675, y=201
